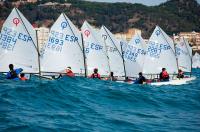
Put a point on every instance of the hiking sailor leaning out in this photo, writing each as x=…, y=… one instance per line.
x=13, y=73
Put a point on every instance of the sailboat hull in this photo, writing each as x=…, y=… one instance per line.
x=174, y=82
x=171, y=82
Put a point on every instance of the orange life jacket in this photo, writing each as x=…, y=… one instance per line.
x=23, y=78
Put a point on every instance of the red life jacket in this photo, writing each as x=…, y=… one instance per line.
x=181, y=73
x=69, y=73
x=96, y=75
x=165, y=74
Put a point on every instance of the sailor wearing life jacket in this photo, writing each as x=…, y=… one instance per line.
x=69, y=72
x=95, y=74
x=141, y=79
x=13, y=73
x=22, y=77
x=164, y=76
x=180, y=74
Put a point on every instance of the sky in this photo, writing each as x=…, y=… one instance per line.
x=145, y=2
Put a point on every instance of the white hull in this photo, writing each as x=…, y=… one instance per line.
x=174, y=82
x=131, y=82
x=171, y=82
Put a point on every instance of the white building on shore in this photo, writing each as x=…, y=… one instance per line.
x=129, y=34
x=42, y=34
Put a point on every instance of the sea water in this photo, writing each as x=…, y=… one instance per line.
x=80, y=104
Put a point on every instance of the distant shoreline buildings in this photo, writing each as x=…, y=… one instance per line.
x=30, y=1
x=18, y=2
x=193, y=38
x=129, y=34
x=42, y=36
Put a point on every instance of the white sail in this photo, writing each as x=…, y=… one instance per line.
x=114, y=51
x=160, y=53
x=96, y=56
x=196, y=61
x=134, y=56
x=184, y=53
x=188, y=47
x=18, y=45
x=64, y=48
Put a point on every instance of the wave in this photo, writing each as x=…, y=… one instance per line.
x=81, y=104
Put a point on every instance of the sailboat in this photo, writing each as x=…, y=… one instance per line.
x=95, y=51
x=134, y=56
x=160, y=51
x=18, y=44
x=184, y=55
x=196, y=61
x=115, y=53
x=161, y=54
x=63, y=49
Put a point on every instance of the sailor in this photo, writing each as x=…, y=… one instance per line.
x=112, y=78
x=180, y=74
x=141, y=79
x=13, y=73
x=95, y=74
x=164, y=76
x=22, y=77
x=69, y=72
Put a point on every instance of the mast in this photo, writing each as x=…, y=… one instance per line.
x=36, y=31
x=123, y=61
x=104, y=38
x=175, y=53
x=84, y=56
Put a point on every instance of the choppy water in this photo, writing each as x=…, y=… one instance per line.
x=90, y=105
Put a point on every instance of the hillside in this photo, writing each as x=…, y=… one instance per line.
x=173, y=16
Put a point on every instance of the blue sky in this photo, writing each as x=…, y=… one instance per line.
x=146, y=2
